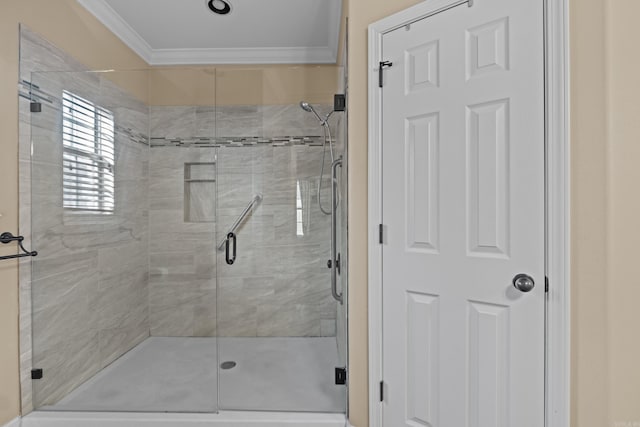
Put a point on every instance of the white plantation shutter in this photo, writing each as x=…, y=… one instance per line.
x=88, y=155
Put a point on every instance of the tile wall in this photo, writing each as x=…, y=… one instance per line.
x=103, y=283
x=88, y=286
x=182, y=274
x=279, y=286
x=280, y=283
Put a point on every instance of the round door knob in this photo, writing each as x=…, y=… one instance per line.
x=523, y=283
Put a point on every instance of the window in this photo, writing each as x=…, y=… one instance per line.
x=299, y=212
x=88, y=156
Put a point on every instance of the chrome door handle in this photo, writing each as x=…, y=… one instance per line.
x=334, y=261
x=230, y=260
x=524, y=283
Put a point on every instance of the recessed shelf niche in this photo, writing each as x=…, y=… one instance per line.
x=199, y=192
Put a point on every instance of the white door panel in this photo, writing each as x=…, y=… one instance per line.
x=463, y=203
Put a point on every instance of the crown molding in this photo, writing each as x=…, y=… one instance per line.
x=118, y=26
x=285, y=55
x=323, y=55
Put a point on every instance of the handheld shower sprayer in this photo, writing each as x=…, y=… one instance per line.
x=309, y=109
x=327, y=136
x=306, y=106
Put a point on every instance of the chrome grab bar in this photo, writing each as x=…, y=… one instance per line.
x=334, y=262
x=232, y=230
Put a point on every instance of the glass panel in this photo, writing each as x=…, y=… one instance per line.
x=277, y=319
x=123, y=288
x=341, y=133
x=182, y=285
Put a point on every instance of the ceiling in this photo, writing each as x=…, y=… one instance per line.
x=170, y=32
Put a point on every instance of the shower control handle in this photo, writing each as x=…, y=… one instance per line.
x=330, y=264
x=230, y=237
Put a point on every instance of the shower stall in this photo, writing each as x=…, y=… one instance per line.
x=185, y=262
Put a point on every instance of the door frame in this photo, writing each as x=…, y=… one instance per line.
x=557, y=209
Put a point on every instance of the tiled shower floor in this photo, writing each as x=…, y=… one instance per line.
x=179, y=375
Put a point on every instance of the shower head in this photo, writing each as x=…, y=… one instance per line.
x=309, y=109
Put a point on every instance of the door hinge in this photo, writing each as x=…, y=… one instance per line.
x=35, y=107
x=381, y=234
x=546, y=284
x=339, y=102
x=380, y=71
x=341, y=376
x=37, y=374
x=381, y=391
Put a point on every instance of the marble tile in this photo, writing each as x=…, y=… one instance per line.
x=205, y=316
x=291, y=120
x=26, y=354
x=182, y=259
x=130, y=159
x=66, y=366
x=166, y=202
x=205, y=121
x=84, y=299
x=298, y=320
x=328, y=327
x=171, y=263
x=172, y=122
x=53, y=266
x=242, y=120
x=104, y=283
x=237, y=320
x=62, y=309
x=129, y=112
x=200, y=202
x=37, y=54
x=187, y=240
x=176, y=321
x=122, y=301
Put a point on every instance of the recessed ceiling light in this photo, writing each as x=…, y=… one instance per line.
x=220, y=7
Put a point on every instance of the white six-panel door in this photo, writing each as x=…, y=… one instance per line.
x=463, y=210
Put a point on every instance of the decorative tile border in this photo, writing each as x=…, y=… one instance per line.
x=279, y=141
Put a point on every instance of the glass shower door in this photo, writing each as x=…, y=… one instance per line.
x=276, y=316
x=122, y=215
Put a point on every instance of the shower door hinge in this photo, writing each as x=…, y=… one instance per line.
x=341, y=376
x=35, y=107
x=381, y=391
x=546, y=284
x=381, y=234
x=380, y=71
x=37, y=374
x=339, y=102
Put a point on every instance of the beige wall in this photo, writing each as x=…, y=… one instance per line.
x=243, y=85
x=361, y=14
x=623, y=215
x=588, y=228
